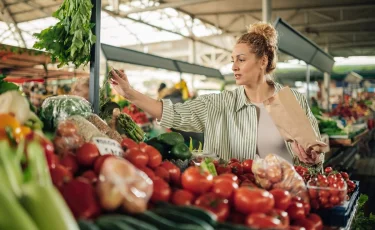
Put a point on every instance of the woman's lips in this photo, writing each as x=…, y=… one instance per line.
x=237, y=76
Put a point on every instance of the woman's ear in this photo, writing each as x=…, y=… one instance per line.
x=264, y=62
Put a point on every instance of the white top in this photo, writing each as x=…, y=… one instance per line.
x=269, y=138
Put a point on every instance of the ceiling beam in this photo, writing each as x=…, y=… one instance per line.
x=342, y=33
x=338, y=23
x=45, y=9
x=234, y=20
x=5, y=14
x=166, y=5
x=351, y=44
x=170, y=31
x=301, y=9
x=320, y=15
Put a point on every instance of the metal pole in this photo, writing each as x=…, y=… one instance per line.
x=327, y=82
x=266, y=10
x=95, y=56
x=308, y=83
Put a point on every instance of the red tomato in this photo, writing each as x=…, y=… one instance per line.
x=248, y=183
x=142, y=146
x=332, y=179
x=262, y=220
x=87, y=154
x=248, y=200
x=99, y=162
x=282, y=198
x=128, y=143
x=154, y=156
x=196, y=180
x=296, y=211
x=136, y=157
x=148, y=171
x=52, y=160
x=161, y=191
x=90, y=176
x=345, y=175
x=162, y=173
x=296, y=228
x=174, y=171
x=182, y=197
x=306, y=206
x=247, y=165
x=334, y=200
x=304, y=222
x=60, y=175
x=230, y=176
x=236, y=168
x=214, y=204
x=233, y=160
x=316, y=220
x=224, y=188
x=69, y=160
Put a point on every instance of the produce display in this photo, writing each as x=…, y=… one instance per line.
x=97, y=173
x=136, y=114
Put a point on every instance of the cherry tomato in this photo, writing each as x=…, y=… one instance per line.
x=247, y=165
x=182, y=197
x=334, y=200
x=236, y=168
x=345, y=175
x=261, y=221
x=248, y=183
x=60, y=175
x=128, y=143
x=296, y=211
x=161, y=191
x=306, y=223
x=224, y=188
x=316, y=220
x=69, y=160
x=90, y=176
x=136, y=157
x=233, y=160
x=306, y=206
x=148, y=171
x=214, y=204
x=196, y=180
x=328, y=170
x=52, y=160
x=99, y=162
x=174, y=172
x=154, y=156
x=282, y=198
x=162, y=173
x=222, y=169
x=248, y=200
x=87, y=154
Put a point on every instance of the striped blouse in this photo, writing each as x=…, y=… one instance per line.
x=228, y=121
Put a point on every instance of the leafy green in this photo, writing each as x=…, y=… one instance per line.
x=6, y=86
x=70, y=40
x=362, y=222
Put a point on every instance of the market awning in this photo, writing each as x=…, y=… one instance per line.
x=124, y=55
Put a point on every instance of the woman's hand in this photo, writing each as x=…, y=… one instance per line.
x=309, y=156
x=120, y=83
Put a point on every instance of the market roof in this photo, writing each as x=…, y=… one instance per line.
x=346, y=26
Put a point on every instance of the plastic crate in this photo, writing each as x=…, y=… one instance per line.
x=339, y=216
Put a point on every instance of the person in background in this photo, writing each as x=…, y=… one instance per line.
x=81, y=87
x=235, y=123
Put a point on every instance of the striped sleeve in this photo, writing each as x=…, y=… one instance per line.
x=189, y=116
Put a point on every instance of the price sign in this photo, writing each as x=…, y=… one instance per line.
x=108, y=146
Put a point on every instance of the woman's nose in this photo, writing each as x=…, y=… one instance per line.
x=234, y=67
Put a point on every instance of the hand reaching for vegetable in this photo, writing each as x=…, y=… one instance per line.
x=309, y=156
x=120, y=83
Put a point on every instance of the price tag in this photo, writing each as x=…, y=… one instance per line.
x=108, y=146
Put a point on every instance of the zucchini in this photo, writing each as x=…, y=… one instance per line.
x=131, y=221
x=87, y=225
x=182, y=218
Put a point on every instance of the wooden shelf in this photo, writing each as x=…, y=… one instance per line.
x=349, y=141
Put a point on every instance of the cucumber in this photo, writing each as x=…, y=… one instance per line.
x=87, y=225
x=182, y=218
x=162, y=223
x=133, y=222
x=192, y=211
x=108, y=224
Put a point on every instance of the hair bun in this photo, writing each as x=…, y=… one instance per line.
x=266, y=30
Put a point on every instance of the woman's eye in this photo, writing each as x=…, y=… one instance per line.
x=241, y=60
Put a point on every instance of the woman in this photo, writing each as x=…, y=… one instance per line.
x=235, y=123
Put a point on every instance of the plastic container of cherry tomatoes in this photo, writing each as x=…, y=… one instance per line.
x=326, y=196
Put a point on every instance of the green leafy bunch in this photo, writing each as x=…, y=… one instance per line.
x=361, y=221
x=70, y=40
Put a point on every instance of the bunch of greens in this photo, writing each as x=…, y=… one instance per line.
x=360, y=220
x=70, y=40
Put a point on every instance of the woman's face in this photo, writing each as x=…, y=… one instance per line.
x=247, y=68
